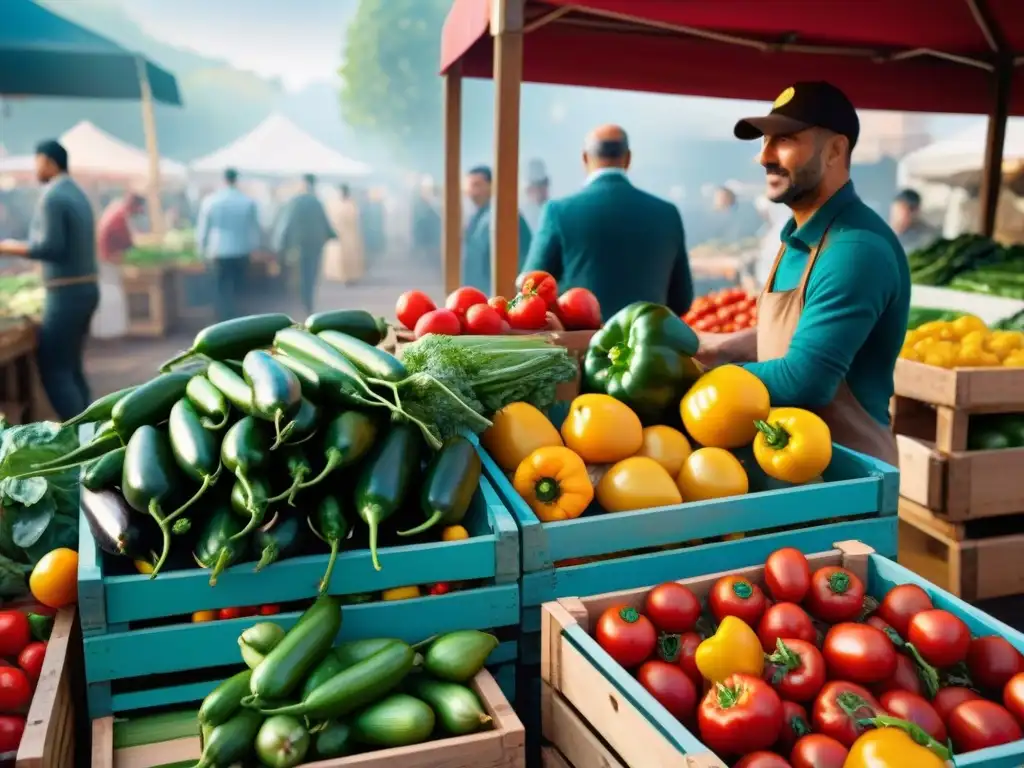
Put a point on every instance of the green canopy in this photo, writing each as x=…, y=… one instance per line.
x=43, y=54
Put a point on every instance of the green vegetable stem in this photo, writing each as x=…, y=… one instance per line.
x=329, y=524
x=349, y=436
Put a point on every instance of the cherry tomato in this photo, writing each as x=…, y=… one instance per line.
x=900, y=605
x=461, y=299
x=725, y=313
x=795, y=724
x=541, y=283
x=682, y=650
x=785, y=620
x=736, y=596
x=763, y=759
x=992, y=661
x=948, y=699
x=859, y=653
x=15, y=632
x=885, y=626
x=31, y=660
x=482, y=320
x=626, y=635
x=441, y=321
x=796, y=670
x=818, y=751
x=1013, y=697
x=11, y=729
x=835, y=595
x=500, y=305
x=527, y=313
x=916, y=709
x=579, y=310
x=787, y=575
x=269, y=610
x=670, y=687
x=831, y=719
x=741, y=319
x=15, y=690
x=940, y=637
x=977, y=725
x=740, y=716
x=234, y=613
x=672, y=608
x=411, y=306
x=905, y=678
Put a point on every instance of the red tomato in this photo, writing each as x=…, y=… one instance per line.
x=626, y=635
x=672, y=608
x=992, y=661
x=15, y=633
x=877, y=623
x=411, y=306
x=527, y=313
x=1013, y=697
x=940, y=637
x=705, y=323
x=234, y=613
x=269, y=610
x=900, y=605
x=540, y=283
x=762, y=759
x=979, y=724
x=682, y=650
x=831, y=719
x=859, y=653
x=500, y=305
x=905, y=678
x=796, y=670
x=579, y=310
x=670, y=687
x=15, y=690
x=11, y=729
x=740, y=716
x=482, y=320
x=835, y=595
x=948, y=699
x=31, y=660
x=795, y=724
x=741, y=319
x=915, y=709
x=726, y=313
x=442, y=321
x=818, y=751
x=461, y=299
x=736, y=596
x=785, y=620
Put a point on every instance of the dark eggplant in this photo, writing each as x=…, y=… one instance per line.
x=117, y=528
x=283, y=537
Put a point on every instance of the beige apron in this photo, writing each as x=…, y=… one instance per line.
x=778, y=313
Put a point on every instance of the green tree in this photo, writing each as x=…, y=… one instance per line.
x=389, y=80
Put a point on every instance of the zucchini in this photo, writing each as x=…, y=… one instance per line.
x=333, y=740
x=450, y=482
x=196, y=449
x=149, y=404
x=357, y=323
x=209, y=401
x=348, y=437
x=218, y=546
x=340, y=380
x=276, y=392
x=232, y=386
x=230, y=742
x=244, y=451
x=329, y=524
x=397, y=721
x=373, y=362
x=232, y=339
x=224, y=700
x=100, y=410
x=105, y=472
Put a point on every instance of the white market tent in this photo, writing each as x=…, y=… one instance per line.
x=959, y=159
x=94, y=153
x=276, y=148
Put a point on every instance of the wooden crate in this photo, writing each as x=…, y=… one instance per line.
x=584, y=681
x=50, y=730
x=501, y=747
x=146, y=293
x=974, y=560
x=18, y=377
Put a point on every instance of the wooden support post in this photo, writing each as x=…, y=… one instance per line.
x=153, y=204
x=507, y=30
x=451, y=233
x=992, y=175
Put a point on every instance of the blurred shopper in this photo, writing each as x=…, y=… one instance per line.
x=426, y=225
x=905, y=219
x=621, y=243
x=114, y=239
x=538, y=192
x=476, y=241
x=344, y=258
x=375, y=222
x=63, y=238
x=303, y=228
x=227, y=233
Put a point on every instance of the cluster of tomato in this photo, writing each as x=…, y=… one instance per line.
x=798, y=678
x=21, y=663
x=226, y=614
x=468, y=310
x=725, y=311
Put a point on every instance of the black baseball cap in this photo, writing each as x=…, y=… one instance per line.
x=813, y=104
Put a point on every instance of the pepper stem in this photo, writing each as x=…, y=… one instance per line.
x=619, y=355
x=917, y=734
x=334, y=459
x=546, y=490
x=929, y=675
x=669, y=647
x=775, y=435
x=785, y=657
x=727, y=697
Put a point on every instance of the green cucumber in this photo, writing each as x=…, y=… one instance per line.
x=340, y=380
x=231, y=384
x=218, y=546
x=100, y=410
x=307, y=375
x=348, y=437
x=257, y=641
x=334, y=740
x=105, y=472
x=196, y=449
x=449, y=484
x=457, y=707
x=282, y=742
x=397, y=721
x=322, y=672
x=283, y=537
x=232, y=741
x=354, y=322
x=276, y=392
x=329, y=524
x=353, y=652
x=304, y=423
x=148, y=404
x=244, y=451
x=458, y=656
x=371, y=361
x=232, y=339
x=209, y=401
x=224, y=700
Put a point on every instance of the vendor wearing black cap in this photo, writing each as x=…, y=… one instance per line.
x=63, y=238
x=833, y=313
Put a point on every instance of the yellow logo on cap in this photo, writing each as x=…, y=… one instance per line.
x=784, y=98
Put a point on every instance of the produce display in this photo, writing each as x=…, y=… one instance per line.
x=158, y=255
x=964, y=342
x=299, y=700
x=805, y=670
x=469, y=310
x=725, y=311
x=21, y=294
x=265, y=437
x=23, y=639
x=971, y=263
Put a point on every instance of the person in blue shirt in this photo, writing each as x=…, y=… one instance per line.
x=476, y=239
x=227, y=233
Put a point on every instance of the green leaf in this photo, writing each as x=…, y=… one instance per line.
x=25, y=490
x=30, y=523
x=24, y=446
x=61, y=532
x=13, y=582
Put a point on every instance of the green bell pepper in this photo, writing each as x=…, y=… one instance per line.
x=643, y=357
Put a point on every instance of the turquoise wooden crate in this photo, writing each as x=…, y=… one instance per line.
x=135, y=627
x=882, y=575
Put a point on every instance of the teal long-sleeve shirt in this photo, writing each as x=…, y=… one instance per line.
x=855, y=309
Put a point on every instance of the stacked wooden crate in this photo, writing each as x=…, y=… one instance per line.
x=961, y=511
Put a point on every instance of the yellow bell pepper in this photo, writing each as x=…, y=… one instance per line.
x=896, y=744
x=793, y=445
x=400, y=593
x=734, y=648
x=1014, y=360
x=637, y=483
x=937, y=329
x=554, y=483
x=966, y=324
x=1003, y=343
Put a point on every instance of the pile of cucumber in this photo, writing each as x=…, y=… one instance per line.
x=299, y=700
x=261, y=439
x=971, y=263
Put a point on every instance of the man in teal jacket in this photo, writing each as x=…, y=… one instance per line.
x=622, y=244
x=476, y=240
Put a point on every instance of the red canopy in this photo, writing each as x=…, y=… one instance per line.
x=920, y=55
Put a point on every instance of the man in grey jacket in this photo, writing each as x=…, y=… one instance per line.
x=63, y=238
x=302, y=226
